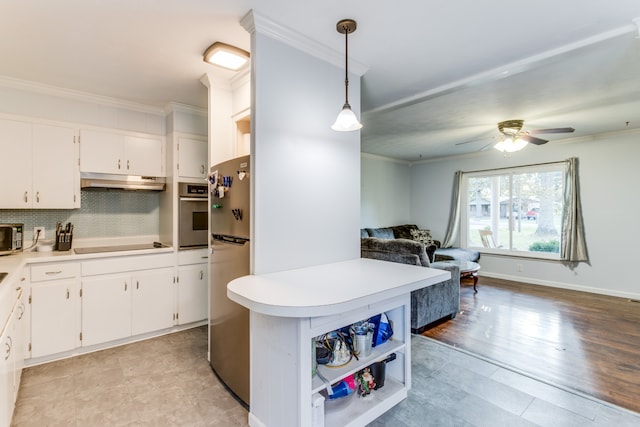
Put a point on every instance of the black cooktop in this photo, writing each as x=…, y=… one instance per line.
x=119, y=248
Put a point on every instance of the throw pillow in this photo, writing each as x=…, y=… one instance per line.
x=422, y=236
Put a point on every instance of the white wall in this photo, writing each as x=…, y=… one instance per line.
x=385, y=192
x=306, y=177
x=608, y=176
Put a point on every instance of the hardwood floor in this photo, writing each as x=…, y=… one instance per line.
x=583, y=341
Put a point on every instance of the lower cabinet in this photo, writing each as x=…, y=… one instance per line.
x=55, y=308
x=152, y=301
x=116, y=306
x=11, y=360
x=193, y=285
x=106, y=308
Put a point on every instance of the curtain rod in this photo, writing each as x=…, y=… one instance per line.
x=514, y=167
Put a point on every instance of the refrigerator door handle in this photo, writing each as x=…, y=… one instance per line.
x=233, y=240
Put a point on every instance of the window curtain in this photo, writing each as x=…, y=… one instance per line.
x=454, y=218
x=573, y=248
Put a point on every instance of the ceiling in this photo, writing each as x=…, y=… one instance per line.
x=440, y=74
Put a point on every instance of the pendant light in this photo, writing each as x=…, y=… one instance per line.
x=347, y=120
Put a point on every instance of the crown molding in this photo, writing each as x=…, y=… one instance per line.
x=255, y=22
x=77, y=95
x=172, y=107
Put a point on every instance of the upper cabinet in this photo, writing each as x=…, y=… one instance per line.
x=120, y=154
x=192, y=158
x=41, y=166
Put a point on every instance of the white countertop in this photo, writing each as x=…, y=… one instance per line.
x=330, y=288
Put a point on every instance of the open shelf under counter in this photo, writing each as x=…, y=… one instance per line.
x=378, y=353
x=362, y=411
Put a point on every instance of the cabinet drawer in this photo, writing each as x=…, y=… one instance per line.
x=193, y=256
x=40, y=273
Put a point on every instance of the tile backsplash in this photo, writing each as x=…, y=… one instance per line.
x=114, y=213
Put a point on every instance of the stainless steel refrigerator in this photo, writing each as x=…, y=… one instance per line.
x=228, y=321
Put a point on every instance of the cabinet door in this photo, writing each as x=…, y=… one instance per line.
x=6, y=375
x=152, y=300
x=192, y=158
x=102, y=152
x=56, y=176
x=106, y=308
x=143, y=156
x=55, y=317
x=15, y=173
x=192, y=293
x=19, y=343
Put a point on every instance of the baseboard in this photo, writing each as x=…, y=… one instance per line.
x=632, y=296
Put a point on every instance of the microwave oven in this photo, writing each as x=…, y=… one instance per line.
x=11, y=238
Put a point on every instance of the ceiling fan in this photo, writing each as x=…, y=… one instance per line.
x=516, y=139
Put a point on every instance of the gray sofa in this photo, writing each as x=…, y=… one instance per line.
x=427, y=304
x=434, y=252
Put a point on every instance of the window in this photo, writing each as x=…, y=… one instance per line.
x=516, y=211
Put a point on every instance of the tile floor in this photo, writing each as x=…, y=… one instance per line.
x=167, y=381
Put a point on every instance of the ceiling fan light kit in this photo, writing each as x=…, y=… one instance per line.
x=346, y=120
x=516, y=139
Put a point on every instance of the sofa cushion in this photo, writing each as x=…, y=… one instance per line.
x=398, y=248
x=422, y=236
x=448, y=254
x=381, y=233
x=403, y=231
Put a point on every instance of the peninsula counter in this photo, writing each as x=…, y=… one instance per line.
x=289, y=309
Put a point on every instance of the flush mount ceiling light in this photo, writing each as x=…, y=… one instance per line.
x=226, y=56
x=347, y=120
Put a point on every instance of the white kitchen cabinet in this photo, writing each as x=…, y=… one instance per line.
x=118, y=306
x=6, y=373
x=192, y=158
x=121, y=154
x=126, y=296
x=106, y=308
x=192, y=293
x=55, y=308
x=152, y=300
x=12, y=311
x=43, y=168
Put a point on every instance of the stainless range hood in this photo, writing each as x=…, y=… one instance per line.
x=105, y=181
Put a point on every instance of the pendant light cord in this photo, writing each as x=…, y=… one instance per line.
x=346, y=66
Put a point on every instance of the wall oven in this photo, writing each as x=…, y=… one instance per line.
x=193, y=215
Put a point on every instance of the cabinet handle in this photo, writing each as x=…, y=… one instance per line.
x=201, y=274
x=127, y=164
x=202, y=169
x=125, y=286
x=118, y=164
x=9, y=344
x=26, y=197
x=38, y=197
x=67, y=293
x=53, y=273
x=137, y=284
x=22, y=310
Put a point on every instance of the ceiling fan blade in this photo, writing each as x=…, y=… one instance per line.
x=534, y=140
x=554, y=130
x=472, y=140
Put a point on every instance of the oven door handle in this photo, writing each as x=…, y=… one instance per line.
x=193, y=199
